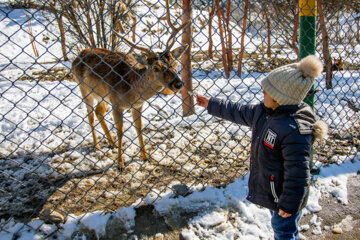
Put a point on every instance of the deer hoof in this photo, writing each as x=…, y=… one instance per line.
x=145, y=157
x=120, y=168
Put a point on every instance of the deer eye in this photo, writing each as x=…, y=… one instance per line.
x=157, y=68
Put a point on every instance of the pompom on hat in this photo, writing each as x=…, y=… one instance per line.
x=289, y=84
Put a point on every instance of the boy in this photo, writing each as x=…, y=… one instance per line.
x=283, y=130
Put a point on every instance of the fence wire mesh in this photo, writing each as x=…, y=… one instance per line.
x=48, y=159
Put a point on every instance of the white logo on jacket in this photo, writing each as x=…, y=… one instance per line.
x=270, y=138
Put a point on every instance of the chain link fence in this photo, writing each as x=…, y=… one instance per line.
x=48, y=160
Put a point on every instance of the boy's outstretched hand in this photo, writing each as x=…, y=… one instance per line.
x=202, y=101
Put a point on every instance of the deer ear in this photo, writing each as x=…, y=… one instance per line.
x=178, y=52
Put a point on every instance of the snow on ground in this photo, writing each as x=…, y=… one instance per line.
x=221, y=213
x=33, y=111
x=38, y=117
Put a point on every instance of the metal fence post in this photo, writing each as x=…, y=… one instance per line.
x=307, y=45
x=307, y=35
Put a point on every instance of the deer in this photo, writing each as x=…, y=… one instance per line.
x=125, y=81
x=338, y=65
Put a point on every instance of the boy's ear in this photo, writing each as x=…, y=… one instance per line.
x=179, y=51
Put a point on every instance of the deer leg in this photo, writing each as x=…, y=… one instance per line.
x=92, y=126
x=118, y=118
x=136, y=114
x=89, y=107
x=100, y=111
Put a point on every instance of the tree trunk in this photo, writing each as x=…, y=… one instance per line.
x=31, y=35
x=89, y=25
x=223, y=47
x=62, y=37
x=242, y=49
x=268, y=27
x=325, y=39
x=229, y=43
x=296, y=27
x=211, y=15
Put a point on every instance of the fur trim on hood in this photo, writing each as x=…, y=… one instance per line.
x=320, y=130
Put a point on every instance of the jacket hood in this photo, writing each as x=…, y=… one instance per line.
x=307, y=123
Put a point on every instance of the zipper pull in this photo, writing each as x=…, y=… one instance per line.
x=272, y=187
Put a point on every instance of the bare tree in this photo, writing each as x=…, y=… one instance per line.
x=325, y=43
x=220, y=13
x=242, y=48
x=268, y=27
x=284, y=18
x=296, y=28
x=211, y=16
x=90, y=23
x=229, y=34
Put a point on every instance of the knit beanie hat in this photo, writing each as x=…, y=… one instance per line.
x=289, y=84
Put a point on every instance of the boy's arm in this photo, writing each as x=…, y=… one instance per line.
x=296, y=153
x=234, y=112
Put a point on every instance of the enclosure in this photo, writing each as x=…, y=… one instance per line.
x=47, y=155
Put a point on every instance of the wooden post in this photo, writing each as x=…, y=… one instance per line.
x=186, y=72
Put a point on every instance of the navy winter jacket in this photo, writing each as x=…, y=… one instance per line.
x=280, y=151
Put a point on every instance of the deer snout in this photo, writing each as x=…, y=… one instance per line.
x=178, y=85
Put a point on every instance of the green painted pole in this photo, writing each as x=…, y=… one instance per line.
x=307, y=35
x=307, y=47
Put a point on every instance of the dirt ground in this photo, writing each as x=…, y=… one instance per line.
x=333, y=212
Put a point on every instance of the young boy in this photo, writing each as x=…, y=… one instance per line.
x=283, y=130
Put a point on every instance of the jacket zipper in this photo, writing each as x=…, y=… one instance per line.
x=272, y=186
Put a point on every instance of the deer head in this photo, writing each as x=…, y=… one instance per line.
x=164, y=64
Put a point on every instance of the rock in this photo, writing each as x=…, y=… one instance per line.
x=51, y=216
x=159, y=236
x=174, y=221
x=337, y=230
x=181, y=190
x=84, y=234
x=116, y=229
